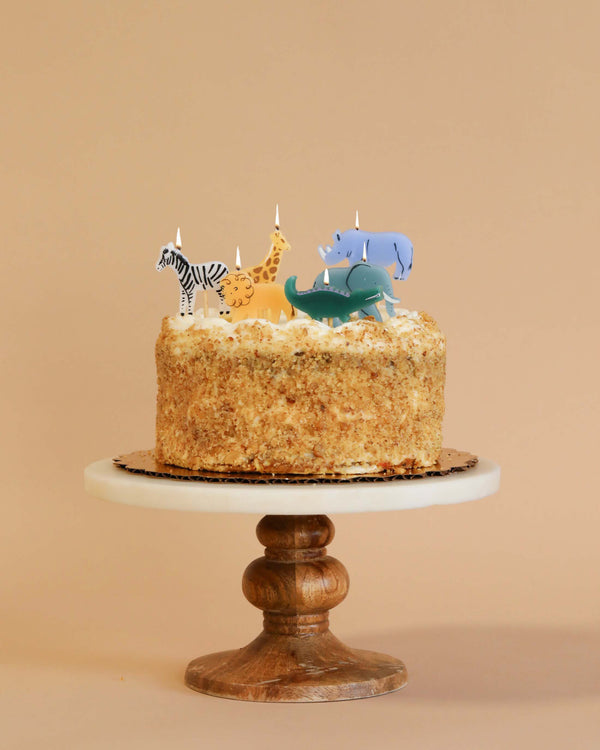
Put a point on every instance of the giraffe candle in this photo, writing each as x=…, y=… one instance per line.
x=266, y=271
x=251, y=292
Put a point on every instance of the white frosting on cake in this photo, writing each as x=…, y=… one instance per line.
x=405, y=328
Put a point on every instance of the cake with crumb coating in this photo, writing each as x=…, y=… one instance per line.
x=300, y=397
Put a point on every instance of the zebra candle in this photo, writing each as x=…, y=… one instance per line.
x=179, y=245
x=192, y=276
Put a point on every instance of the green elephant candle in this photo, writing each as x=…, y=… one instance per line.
x=362, y=275
x=328, y=302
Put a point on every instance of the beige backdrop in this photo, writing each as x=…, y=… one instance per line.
x=470, y=126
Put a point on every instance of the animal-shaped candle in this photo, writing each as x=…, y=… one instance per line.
x=327, y=302
x=249, y=300
x=383, y=249
x=266, y=270
x=362, y=276
x=192, y=276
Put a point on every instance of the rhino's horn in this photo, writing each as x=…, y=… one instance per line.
x=321, y=253
x=387, y=298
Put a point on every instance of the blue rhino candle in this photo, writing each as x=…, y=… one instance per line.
x=382, y=249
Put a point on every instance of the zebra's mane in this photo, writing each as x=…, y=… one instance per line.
x=178, y=259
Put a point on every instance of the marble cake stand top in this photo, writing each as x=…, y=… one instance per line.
x=106, y=481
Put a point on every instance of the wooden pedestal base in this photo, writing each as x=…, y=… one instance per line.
x=296, y=658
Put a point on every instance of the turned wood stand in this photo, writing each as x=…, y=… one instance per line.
x=296, y=657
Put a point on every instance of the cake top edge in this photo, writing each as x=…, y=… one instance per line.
x=406, y=329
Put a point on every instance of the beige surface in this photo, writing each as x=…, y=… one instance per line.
x=470, y=126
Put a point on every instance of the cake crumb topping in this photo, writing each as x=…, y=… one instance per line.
x=300, y=397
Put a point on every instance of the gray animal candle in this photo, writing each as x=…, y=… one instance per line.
x=192, y=275
x=358, y=277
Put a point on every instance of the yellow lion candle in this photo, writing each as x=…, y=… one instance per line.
x=249, y=300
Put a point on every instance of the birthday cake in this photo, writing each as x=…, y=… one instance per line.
x=300, y=397
x=258, y=388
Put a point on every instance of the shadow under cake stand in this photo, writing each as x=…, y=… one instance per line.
x=296, y=658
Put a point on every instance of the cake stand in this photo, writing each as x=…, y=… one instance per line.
x=296, y=658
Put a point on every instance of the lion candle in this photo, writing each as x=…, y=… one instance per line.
x=249, y=300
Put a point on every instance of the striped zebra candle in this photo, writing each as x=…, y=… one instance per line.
x=192, y=276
